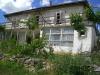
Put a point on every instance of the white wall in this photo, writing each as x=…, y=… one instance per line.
x=84, y=43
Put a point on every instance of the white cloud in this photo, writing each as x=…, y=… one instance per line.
x=2, y=3
x=68, y=1
x=10, y=6
x=45, y=2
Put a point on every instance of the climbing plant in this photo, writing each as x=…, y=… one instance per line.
x=90, y=14
x=77, y=23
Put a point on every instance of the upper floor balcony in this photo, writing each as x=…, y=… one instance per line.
x=44, y=22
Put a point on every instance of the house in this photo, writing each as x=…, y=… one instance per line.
x=60, y=34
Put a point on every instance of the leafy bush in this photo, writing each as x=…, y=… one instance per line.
x=37, y=48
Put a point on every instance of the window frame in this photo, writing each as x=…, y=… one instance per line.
x=61, y=36
x=58, y=21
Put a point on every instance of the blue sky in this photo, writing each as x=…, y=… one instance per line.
x=9, y=6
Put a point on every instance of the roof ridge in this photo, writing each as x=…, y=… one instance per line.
x=79, y=1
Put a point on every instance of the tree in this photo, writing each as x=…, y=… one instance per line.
x=77, y=23
x=32, y=23
x=33, y=28
x=90, y=14
x=97, y=17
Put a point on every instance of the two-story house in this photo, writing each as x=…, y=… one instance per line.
x=60, y=34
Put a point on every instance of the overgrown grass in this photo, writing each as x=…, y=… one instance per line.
x=59, y=65
x=12, y=68
x=72, y=65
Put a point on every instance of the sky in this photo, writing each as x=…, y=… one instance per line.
x=10, y=6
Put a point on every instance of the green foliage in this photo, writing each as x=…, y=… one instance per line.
x=72, y=65
x=97, y=17
x=95, y=56
x=2, y=27
x=12, y=68
x=37, y=48
x=77, y=23
x=32, y=23
x=10, y=47
x=90, y=14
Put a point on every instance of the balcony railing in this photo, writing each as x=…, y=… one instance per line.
x=48, y=22
x=10, y=25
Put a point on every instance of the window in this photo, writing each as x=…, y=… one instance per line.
x=55, y=37
x=58, y=18
x=37, y=19
x=59, y=36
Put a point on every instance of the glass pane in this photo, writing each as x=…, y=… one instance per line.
x=67, y=37
x=46, y=30
x=67, y=44
x=55, y=37
x=67, y=31
x=55, y=30
x=55, y=43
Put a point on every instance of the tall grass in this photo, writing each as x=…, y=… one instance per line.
x=12, y=68
x=72, y=65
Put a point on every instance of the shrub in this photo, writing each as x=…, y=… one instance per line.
x=37, y=48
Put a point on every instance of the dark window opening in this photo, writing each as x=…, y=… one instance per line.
x=37, y=19
x=58, y=18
